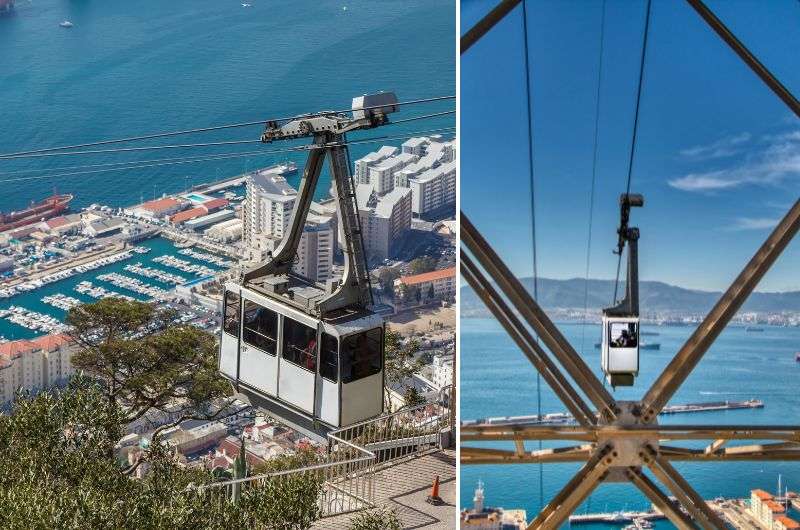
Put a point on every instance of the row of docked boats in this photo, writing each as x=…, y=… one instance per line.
x=96, y=291
x=32, y=285
x=170, y=260
x=158, y=274
x=205, y=256
x=61, y=301
x=32, y=320
x=133, y=284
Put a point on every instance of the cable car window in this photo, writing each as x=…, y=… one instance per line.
x=328, y=357
x=260, y=327
x=231, y=320
x=299, y=344
x=623, y=334
x=362, y=355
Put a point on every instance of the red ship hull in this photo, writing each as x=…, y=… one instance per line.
x=45, y=209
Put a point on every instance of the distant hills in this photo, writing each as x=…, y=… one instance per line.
x=653, y=296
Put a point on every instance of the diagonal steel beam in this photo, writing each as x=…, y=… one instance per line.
x=688, y=497
x=741, y=50
x=532, y=350
x=659, y=499
x=690, y=354
x=576, y=490
x=523, y=302
x=476, y=32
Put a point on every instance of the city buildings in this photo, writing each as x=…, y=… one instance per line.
x=362, y=165
x=158, y=208
x=434, y=189
x=267, y=212
x=34, y=364
x=769, y=512
x=427, y=287
x=384, y=219
x=443, y=370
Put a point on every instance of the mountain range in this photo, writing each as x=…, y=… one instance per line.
x=653, y=296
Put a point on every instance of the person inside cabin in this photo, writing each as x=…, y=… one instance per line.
x=311, y=354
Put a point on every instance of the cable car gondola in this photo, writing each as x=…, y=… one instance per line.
x=620, y=336
x=311, y=354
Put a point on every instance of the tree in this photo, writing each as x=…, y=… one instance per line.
x=412, y=397
x=431, y=292
x=378, y=519
x=147, y=364
x=386, y=278
x=57, y=472
x=401, y=363
x=422, y=264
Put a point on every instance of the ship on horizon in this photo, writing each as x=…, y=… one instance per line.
x=36, y=212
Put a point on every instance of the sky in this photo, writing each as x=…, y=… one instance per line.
x=717, y=157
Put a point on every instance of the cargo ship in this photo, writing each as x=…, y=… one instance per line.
x=38, y=211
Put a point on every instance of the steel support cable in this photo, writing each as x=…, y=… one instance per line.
x=185, y=146
x=209, y=129
x=211, y=158
x=635, y=126
x=529, y=105
x=595, y=155
x=206, y=157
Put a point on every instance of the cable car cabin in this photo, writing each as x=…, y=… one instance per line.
x=620, y=356
x=314, y=374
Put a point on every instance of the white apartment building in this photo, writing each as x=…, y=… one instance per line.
x=382, y=176
x=384, y=219
x=267, y=213
x=362, y=165
x=34, y=364
x=443, y=371
x=430, y=286
x=433, y=189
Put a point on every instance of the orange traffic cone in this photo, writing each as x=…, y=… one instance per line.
x=434, y=498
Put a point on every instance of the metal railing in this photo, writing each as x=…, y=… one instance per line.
x=343, y=478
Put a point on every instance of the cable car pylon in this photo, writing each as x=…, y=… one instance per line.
x=311, y=354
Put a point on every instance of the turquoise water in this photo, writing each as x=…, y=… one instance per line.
x=496, y=380
x=129, y=68
x=32, y=299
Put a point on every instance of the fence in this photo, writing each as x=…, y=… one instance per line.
x=343, y=480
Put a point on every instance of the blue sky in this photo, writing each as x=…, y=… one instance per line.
x=718, y=155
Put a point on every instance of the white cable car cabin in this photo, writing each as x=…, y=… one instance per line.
x=311, y=354
x=620, y=336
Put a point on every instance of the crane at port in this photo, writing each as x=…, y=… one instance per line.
x=615, y=440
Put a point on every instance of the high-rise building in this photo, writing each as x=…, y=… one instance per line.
x=362, y=165
x=433, y=189
x=384, y=219
x=267, y=213
x=34, y=364
x=382, y=176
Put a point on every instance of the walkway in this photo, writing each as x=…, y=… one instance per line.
x=405, y=486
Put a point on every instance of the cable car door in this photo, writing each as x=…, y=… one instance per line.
x=229, y=336
x=327, y=404
x=258, y=357
x=297, y=369
x=361, y=368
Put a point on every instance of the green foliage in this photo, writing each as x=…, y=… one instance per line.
x=412, y=397
x=58, y=471
x=400, y=363
x=422, y=264
x=378, y=519
x=143, y=361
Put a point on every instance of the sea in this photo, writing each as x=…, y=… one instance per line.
x=497, y=380
x=133, y=68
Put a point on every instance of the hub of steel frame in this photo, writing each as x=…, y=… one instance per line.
x=622, y=439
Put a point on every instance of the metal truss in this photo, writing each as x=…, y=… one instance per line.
x=622, y=439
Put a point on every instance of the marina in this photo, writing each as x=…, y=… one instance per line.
x=150, y=272
x=61, y=301
x=211, y=258
x=97, y=292
x=176, y=263
x=32, y=320
x=132, y=284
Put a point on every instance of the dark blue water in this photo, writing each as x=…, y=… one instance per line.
x=496, y=380
x=128, y=68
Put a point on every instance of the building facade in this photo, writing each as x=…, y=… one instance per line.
x=433, y=189
x=426, y=287
x=384, y=219
x=34, y=365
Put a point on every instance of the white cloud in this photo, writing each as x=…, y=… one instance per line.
x=722, y=148
x=776, y=162
x=754, y=223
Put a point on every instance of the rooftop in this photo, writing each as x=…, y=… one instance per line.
x=185, y=215
x=431, y=276
x=761, y=494
x=787, y=522
x=160, y=205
